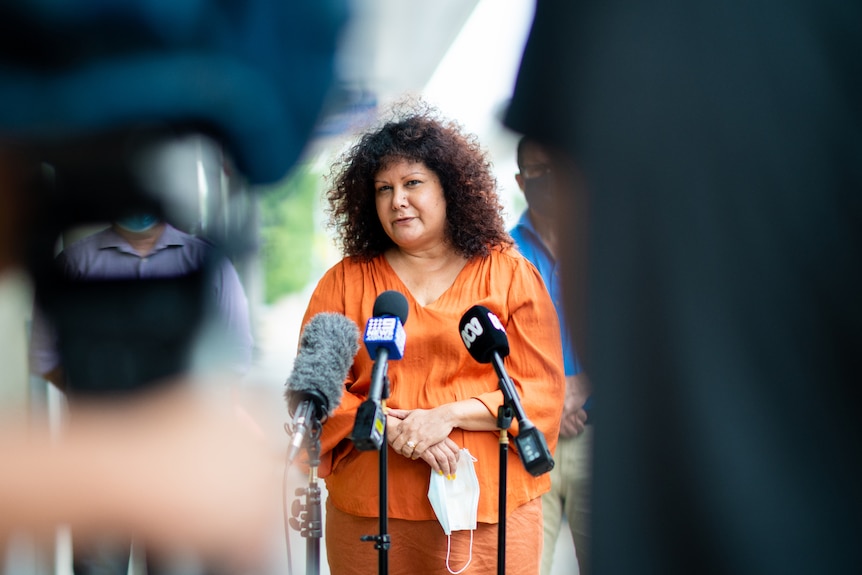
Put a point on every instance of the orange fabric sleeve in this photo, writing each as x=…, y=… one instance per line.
x=534, y=356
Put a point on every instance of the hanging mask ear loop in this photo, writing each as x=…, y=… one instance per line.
x=449, y=547
x=456, y=501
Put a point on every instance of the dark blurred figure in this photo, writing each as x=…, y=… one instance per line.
x=92, y=88
x=537, y=238
x=717, y=289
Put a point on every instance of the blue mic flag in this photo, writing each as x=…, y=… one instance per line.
x=386, y=332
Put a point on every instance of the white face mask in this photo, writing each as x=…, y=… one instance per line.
x=456, y=501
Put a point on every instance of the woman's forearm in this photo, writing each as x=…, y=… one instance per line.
x=469, y=414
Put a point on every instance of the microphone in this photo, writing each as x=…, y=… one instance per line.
x=384, y=339
x=485, y=338
x=328, y=345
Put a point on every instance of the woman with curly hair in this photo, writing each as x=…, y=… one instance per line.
x=416, y=210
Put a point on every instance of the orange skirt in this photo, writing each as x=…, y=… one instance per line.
x=419, y=547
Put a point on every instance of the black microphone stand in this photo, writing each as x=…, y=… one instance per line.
x=382, y=541
x=310, y=522
x=504, y=420
x=532, y=450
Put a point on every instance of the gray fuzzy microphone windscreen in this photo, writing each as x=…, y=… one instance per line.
x=327, y=347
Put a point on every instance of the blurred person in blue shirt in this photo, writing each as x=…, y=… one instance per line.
x=536, y=238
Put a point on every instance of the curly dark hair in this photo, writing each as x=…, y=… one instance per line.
x=474, y=214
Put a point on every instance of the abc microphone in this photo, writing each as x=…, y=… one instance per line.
x=328, y=345
x=485, y=338
x=384, y=339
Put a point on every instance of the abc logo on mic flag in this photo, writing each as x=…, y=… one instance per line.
x=473, y=329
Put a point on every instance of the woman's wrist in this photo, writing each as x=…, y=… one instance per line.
x=392, y=424
x=469, y=414
x=448, y=414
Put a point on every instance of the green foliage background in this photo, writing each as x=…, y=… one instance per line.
x=287, y=217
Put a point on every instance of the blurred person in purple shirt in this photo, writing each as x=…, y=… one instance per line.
x=145, y=247
x=140, y=247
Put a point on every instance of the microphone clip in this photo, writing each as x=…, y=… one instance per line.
x=315, y=428
x=369, y=426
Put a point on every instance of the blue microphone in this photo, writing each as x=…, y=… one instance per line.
x=384, y=339
x=384, y=332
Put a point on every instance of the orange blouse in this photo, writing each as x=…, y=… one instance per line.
x=437, y=369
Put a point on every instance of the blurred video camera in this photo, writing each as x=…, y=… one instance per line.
x=106, y=96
